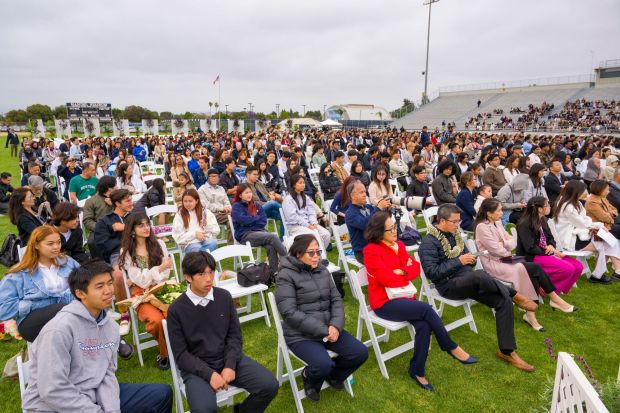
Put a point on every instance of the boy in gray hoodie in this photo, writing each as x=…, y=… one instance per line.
x=74, y=358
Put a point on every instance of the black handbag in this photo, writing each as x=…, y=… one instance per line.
x=253, y=274
x=9, y=255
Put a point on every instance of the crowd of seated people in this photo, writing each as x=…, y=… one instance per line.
x=479, y=181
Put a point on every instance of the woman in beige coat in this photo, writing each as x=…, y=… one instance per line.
x=527, y=278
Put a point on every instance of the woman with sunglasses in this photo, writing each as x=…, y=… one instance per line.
x=330, y=184
x=389, y=265
x=313, y=319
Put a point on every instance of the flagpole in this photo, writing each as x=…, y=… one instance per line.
x=219, y=101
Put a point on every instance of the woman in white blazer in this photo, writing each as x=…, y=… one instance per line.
x=576, y=230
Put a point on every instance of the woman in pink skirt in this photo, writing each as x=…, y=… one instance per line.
x=537, y=245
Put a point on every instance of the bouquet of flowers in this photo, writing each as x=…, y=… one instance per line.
x=170, y=292
x=8, y=331
x=152, y=296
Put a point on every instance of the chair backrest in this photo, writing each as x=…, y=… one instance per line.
x=136, y=197
x=147, y=178
x=174, y=370
x=471, y=246
x=572, y=392
x=357, y=280
x=426, y=285
x=22, y=374
x=81, y=202
x=20, y=252
x=232, y=251
x=276, y=317
x=283, y=218
x=231, y=225
x=161, y=209
x=428, y=214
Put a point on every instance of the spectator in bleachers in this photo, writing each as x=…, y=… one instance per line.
x=205, y=338
x=465, y=200
x=447, y=263
x=66, y=221
x=493, y=175
x=250, y=222
x=535, y=185
x=536, y=243
x=194, y=227
x=576, y=231
x=313, y=319
x=379, y=187
x=146, y=263
x=389, y=265
x=22, y=214
x=444, y=185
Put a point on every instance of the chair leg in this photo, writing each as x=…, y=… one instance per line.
x=291, y=379
x=469, y=314
x=358, y=334
x=347, y=386
x=376, y=348
x=136, y=334
x=279, y=366
x=264, y=306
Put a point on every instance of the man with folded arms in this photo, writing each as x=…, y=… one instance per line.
x=205, y=338
x=447, y=263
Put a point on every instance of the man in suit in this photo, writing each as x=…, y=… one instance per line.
x=554, y=181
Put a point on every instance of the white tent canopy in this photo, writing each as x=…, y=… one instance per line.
x=301, y=122
x=330, y=122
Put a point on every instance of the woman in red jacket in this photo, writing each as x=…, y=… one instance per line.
x=389, y=265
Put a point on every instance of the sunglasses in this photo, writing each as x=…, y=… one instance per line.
x=312, y=253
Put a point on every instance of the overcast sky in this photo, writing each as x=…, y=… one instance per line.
x=165, y=54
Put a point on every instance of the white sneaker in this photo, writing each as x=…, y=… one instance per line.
x=123, y=328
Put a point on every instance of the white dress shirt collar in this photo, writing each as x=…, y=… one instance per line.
x=197, y=300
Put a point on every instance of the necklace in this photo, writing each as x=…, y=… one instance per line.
x=445, y=244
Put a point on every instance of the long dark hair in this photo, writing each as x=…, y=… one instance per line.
x=120, y=172
x=15, y=204
x=534, y=171
x=354, y=166
x=300, y=203
x=185, y=213
x=159, y=185
x=569, y=195
x=129, y=243
x=531, y=218
x=252, y=208
x=386, y=181
x=487, y=206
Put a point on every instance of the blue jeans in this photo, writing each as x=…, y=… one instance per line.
x=352, y=353
x=145, y=398
x=272, y=210
x=505, y=217
x=207, y=245
x=425, y=321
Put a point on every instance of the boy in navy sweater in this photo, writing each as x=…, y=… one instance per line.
x=205, y=337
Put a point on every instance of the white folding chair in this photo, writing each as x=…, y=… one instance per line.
x=259, y=250
x=236, y=290
x=342, y=238
x=224, y=397
x=367, y=317
x=284, y=224
x=144, y=340
x=429, y=291
x=395, y=187
x=429, y=214
x=148, y=178
x=154, y=212
x=20, y=252
x=81, y=202
x=136, y=197
x=22, y=375
x=572, y=392
x=81, y=217
x=284, y=361
x=582, y=256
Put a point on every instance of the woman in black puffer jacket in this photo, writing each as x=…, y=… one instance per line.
x=313, y=318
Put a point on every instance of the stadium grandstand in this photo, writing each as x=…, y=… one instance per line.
x=535, y=104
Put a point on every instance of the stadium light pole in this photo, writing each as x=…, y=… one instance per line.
x=304, y=115
x=428, y=3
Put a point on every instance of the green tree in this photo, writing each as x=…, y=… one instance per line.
x=39, y=111
x=16, y=115
x=137, y=113
x=187, y=115
x=165, y=115
x=116, y=113
x=314, y=114
x=60, y=112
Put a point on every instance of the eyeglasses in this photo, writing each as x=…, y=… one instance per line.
x=312, y=253
x=455, y=222
x=392, y=229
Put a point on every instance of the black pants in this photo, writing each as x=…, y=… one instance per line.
x=31, y=326
x=249, y=375
x=539, y=277
x=4, y=206
x=480, y=286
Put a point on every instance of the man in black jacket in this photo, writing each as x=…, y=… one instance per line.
x=205, y=338
x=109, y=229
x=554, y=181
x=5, y=191
x=447, y=263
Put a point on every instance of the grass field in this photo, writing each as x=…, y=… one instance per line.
x=489, y=386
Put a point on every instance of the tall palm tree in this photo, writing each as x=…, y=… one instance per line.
x=210, y=106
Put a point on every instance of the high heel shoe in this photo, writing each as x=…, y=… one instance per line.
x=470, y=360
x=427, y=386
x=540, y=329
x=572, y=308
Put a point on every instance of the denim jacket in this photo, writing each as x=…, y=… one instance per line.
x=23, y=292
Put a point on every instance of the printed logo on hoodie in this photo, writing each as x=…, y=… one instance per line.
x=91, y=346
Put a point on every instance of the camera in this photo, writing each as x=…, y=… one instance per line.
x=410, y=202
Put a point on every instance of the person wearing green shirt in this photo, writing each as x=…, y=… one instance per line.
x=84, y=185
